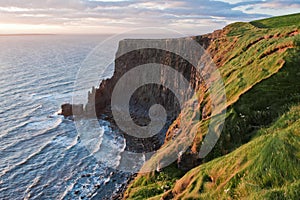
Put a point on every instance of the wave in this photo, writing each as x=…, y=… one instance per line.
x=40, y=152
x=33, y=129
x=24, y=144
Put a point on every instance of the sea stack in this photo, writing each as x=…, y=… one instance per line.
x=68, y=110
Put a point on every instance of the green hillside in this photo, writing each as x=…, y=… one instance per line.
x=276, y=22
x=257, y=156
x=267, y=167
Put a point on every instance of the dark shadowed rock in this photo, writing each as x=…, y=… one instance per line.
x=188, y=161
x=68, y=110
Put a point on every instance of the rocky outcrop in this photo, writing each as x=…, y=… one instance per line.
x=188, y=160
x=68, y=110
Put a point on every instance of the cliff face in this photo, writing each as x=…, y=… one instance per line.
x=147, y=95
x=130, y=60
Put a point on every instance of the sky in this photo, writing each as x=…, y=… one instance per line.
x=114, y=16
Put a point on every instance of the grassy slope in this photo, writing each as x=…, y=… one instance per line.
x=276, y=22
x=260, y=65
x=267, y=167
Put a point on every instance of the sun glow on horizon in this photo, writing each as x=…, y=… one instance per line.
x=29, y=28
x=8, y=29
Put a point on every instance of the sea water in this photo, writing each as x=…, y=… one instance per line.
x=40, y=152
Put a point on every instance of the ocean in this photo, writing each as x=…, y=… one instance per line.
x=41, y=156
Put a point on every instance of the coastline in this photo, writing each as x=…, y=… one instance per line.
x=99, y=100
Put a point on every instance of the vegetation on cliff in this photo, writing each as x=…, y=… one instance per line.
x=258, y=155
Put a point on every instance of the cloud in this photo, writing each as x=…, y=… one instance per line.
x=276, y=4
x=271, y=7
x=179, y=14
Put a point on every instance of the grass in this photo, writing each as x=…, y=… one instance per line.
x=258, y=88
x=265, y=168
x=260, y=65
x=260, y=107
x=275, y=22
x=154, y=184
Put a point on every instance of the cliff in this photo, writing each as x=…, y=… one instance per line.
x=146, y=95
x=257, y=155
